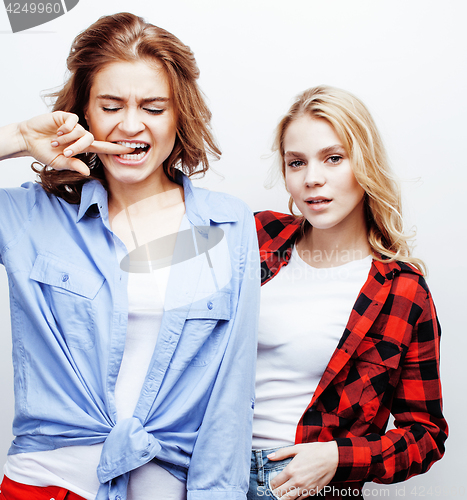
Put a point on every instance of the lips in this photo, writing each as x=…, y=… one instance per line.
x=318, y=203
x=317, y=200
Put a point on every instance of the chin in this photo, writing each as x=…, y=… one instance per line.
x=123, y=178
x=319, y=223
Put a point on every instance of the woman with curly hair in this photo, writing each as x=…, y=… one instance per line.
x=133, y=294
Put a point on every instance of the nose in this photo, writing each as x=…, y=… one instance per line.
x=314, y=175
x=131, y=123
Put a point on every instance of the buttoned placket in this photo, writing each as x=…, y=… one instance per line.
x=119, y=316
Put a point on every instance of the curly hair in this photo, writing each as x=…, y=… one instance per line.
x=125, y=37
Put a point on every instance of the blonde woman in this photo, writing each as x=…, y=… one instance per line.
x=348, y=330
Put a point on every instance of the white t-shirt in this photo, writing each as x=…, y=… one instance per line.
x=304, y=311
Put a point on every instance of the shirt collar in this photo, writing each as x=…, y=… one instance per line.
x=286, y=238
x=198, y=211
x=92, y=193
x=389, y=269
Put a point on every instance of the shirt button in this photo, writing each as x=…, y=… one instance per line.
x=145, y=454
x=210, y=305
x=118, y=497
x=65, y=277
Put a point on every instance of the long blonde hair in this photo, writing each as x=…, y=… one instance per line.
x=357, y=130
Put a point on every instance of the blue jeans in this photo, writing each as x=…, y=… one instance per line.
x=261, y=472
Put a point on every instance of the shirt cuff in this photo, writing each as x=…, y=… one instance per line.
x=354, y=459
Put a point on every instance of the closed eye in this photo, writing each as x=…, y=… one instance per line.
x=111, y=110
x=154, y=111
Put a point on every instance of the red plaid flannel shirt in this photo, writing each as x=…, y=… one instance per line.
x=387, y=361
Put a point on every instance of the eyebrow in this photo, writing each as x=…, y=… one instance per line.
x=331, y=149
x=322, y=152
x=147, y=100
x=292, y=153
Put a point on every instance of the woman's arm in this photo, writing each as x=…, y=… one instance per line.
x=53, y=139
x=420, y=428
x=11, y=142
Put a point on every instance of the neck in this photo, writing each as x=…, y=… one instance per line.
x=331, y=247
x=157, y=192
x=139, y=217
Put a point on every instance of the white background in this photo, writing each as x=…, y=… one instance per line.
x=405, y=59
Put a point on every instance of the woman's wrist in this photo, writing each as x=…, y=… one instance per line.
x=12, y=142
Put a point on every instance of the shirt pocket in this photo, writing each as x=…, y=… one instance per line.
x=366, y=381
x=201, y=334
x=377, y=363
x=69, y=291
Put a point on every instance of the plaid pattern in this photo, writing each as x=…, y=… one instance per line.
x=387, y=361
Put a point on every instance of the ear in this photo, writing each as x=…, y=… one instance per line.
x=85, y=113
x=290, y=205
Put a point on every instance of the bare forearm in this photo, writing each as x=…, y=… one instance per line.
x=12, y=144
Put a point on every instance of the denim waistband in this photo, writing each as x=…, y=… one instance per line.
x=259, y=460
x=260, y=463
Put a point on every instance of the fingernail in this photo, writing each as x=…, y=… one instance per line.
x=271, y=455
x=59, y=133
x=54, y=144
x=67, y=152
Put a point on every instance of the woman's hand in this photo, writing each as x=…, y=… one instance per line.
x=311, y=469
x=53, y=139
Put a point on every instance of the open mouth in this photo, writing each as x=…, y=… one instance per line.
x=140, y=150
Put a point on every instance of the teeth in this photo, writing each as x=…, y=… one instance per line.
x=132, y=144
x=133, y=157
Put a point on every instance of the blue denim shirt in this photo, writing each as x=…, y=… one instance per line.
x=69, y=311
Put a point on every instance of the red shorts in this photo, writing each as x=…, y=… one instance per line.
x=11, y=490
